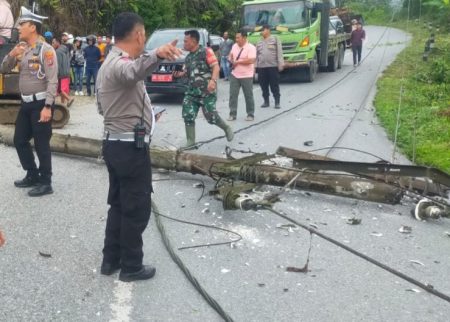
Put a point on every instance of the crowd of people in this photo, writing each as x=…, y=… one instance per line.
x=78, y=58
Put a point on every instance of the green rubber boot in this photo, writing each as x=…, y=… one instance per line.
x=226, y=128
x=190, y=135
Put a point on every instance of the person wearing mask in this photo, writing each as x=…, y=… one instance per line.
x=92, y=55
x=269, y=64
x=128, y=123
x=78, y=66
x=6, y=19
x=38, y=84
x=202, y=70
x=62, y=57
x=242, y=58
x=357, y=37
x=224, y=50
x=66, y=41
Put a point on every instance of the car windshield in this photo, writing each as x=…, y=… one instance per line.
x=162, y=37
x=292, y=14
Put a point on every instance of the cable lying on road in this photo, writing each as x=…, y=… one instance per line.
x=211, y=301
x=427, y=287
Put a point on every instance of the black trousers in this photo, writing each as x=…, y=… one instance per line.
x=356, y=52
x=28, y=127
x=130, y=188
x=269, y=76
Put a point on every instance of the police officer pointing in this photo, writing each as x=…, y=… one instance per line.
x=38, y=83
x=128, y=120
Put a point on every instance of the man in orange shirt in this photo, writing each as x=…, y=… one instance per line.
x=102, y=47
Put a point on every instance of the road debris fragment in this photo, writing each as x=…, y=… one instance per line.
x=414, y=290
x=405, y=229
x=292, y=269
x=413, y=261
x=376, y=234
x=45, y=254
x=353, y=221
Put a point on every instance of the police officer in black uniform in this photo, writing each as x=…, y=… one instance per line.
x=38, y=83
x=128, y=120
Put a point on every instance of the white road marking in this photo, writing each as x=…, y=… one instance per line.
x=121, y=306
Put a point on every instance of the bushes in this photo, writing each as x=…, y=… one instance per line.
x=425, y=110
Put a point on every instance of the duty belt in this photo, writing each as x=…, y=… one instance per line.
x=123, y=137
x=34, y=97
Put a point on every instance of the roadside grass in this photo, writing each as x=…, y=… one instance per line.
x=424, y=122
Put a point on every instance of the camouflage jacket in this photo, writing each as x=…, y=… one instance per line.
x=199, y=71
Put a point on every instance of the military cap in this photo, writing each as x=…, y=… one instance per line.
x=26, y=15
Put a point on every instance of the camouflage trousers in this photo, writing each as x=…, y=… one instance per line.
x=192, y=104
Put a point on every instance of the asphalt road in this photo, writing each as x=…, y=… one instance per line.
x=249, y=280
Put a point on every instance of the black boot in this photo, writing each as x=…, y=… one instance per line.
x=145, y=273
x=266, y=103
x=41, y=190
x=30, y=180
x=277, y=103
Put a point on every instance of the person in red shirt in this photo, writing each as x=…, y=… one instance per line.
x=357, y=37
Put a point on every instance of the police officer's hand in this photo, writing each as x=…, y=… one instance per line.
x=158, y=116
x=46, y=115
x=18, y=50
x=169, y=51
x=2, y=239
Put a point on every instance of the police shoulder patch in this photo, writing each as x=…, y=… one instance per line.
x=49, y=57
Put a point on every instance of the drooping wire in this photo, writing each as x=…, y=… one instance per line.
x=402, y=89
x=205, y=226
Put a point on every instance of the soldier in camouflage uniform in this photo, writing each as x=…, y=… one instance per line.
x=202, y=70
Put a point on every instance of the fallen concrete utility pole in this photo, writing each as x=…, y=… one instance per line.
x=425, y=180
x=247, y=169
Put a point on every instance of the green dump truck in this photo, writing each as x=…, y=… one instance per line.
x=311, y=39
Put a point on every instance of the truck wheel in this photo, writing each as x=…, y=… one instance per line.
x=311, y=71
x=61, y=116
x=341, y=55
x=333, y=61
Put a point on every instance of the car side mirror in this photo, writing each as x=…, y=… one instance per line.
x=14, y=36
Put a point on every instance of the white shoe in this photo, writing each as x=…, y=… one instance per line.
x=76, y=93
x=81, y=93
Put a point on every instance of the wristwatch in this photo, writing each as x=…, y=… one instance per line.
x=214, y=80
x=47, y=106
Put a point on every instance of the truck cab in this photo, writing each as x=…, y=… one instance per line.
x=304, y=30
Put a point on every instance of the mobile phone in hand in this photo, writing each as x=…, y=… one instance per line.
x=158, y=109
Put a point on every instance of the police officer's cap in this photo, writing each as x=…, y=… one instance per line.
x=26, y=16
